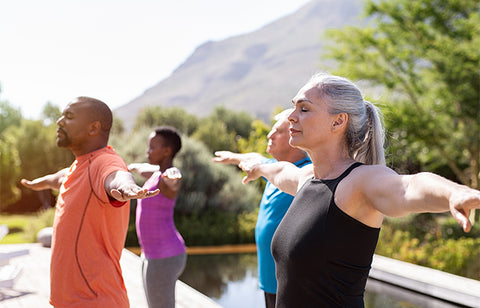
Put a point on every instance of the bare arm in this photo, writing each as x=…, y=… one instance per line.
x=284, y=175
x=50, y=181
x=170, y=182
x=121, y=186
x=227, y=157
x=144, y=169
x=399, y=195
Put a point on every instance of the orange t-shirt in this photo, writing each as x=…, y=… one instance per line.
x=88, y=236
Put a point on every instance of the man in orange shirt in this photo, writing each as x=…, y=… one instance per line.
x=92, y=210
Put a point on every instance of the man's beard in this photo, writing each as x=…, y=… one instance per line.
x=63, y=142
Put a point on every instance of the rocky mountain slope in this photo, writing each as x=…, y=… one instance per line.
x=254, y=72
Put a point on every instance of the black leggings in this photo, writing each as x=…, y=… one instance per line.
x=270, y=300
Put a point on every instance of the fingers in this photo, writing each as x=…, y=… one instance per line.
x=116, y=194
x=151, y=193
x=26, y=183
x=246, y=180
x=172, y=174
x=141, y=193
x=34, y=185
x=133, y=167
x=462, y=219
x=463, y=205
x=222, y=153
x=224, y=157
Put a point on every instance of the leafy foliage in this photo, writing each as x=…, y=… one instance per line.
x=151, y=117
x=37, y=150
x=10, y=166
x=217, y=228
x=433, y=241
x=51, y=112
x=257, y=139
x=223, y=129
x=9, y=156
x=215, y=136
x=425, y=56
x=9, y=116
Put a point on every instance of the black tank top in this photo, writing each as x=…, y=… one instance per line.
x=322, y=255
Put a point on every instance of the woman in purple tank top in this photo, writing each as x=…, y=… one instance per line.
x=163, y=249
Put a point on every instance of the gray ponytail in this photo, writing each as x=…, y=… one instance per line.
x=371, y=149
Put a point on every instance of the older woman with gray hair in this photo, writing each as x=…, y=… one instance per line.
x=323, y=247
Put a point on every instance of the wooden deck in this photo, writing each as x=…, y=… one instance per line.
x=32, y=288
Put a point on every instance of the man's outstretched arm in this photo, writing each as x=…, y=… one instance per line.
x=49, y=181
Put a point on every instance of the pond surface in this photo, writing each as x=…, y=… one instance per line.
x=231, y=280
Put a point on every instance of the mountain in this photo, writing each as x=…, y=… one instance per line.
x=254, y=72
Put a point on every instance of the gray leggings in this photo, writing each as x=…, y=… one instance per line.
x=159, y=277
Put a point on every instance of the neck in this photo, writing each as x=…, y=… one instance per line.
x=165, y=165
x=88, y=149
x=329, y=164
x=292, y=156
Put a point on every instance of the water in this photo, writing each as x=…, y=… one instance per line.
x=231, y=280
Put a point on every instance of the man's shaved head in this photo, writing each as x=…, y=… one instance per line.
x=99, y=111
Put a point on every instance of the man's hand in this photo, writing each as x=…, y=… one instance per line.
x=37, y=184
x=129, y=191
x=121, y=186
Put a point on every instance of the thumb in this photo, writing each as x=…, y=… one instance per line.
x=246, y=180
x=115, y=193
x=462, y=219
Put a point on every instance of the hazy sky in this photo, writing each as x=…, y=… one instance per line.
x=113, y=50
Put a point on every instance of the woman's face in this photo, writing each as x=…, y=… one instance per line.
x=310, y=122
x=157, y=151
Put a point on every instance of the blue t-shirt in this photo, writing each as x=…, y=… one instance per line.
x=273, y=207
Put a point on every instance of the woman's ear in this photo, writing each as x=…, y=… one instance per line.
x=340, y=121
x=168, y=151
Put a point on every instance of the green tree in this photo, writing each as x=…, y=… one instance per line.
x=236, y=122
x=154, y=116
x=10, y=170
x=223, y=128
x=215, y=135
x=132, y=147
x=118, y=127
x=9, y=158
x=210, y=186
x=39, y=155
x=425, y=56
x=257, y=139
x=9, y=116
x=51, y=113
x=28, y=151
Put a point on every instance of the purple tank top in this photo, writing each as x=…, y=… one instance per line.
x=156, y=231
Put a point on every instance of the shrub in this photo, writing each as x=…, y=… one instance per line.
x=217, y=228
x=446, y=247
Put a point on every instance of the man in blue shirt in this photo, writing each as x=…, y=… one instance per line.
x=275, y=203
